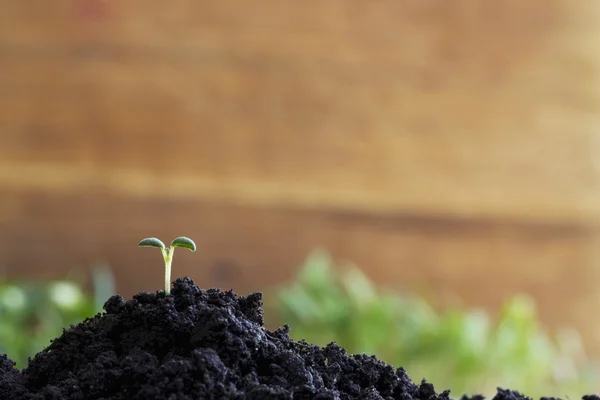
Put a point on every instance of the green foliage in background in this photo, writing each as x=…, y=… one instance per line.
x=462, y=350
x=33, y=313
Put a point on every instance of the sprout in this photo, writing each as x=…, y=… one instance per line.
x=167, y=253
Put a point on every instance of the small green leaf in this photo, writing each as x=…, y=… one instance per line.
x=152, y=242
x=182, y=241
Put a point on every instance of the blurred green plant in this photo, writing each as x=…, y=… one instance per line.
x=463, y=350
x=33, y=313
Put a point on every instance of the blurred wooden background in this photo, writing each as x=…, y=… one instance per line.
x=444, y=143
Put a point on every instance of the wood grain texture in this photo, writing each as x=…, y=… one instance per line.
x=470, y=109
x=251, y=248
x=453, y=145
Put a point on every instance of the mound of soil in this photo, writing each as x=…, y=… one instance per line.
x=198, y=344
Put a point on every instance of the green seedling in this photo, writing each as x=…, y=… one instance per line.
x=167, y=253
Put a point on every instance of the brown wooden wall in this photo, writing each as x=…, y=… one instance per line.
x=452, y=144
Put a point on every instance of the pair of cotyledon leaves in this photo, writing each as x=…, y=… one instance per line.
x=181, y=241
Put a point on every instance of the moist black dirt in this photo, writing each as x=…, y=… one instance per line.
x=202, y=344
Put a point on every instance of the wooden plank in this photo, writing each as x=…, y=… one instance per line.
x=252, y=248
x=441, y=111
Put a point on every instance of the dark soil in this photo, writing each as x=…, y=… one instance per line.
x=198, y=344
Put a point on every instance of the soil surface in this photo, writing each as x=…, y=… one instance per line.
x=202, y=344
